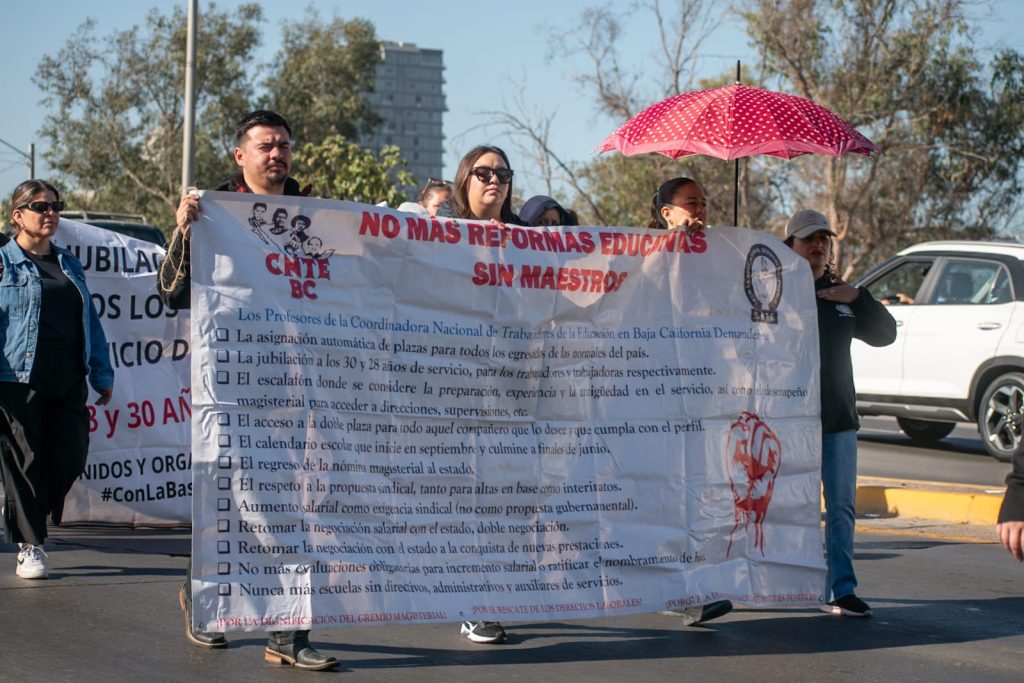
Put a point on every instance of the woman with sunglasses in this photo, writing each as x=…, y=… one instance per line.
x=483, y=192
x=483, y=187
x=52, y=341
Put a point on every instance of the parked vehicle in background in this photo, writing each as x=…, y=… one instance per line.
x=130, y=224
x=959, y=349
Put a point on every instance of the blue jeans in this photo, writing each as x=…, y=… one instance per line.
x=839, y=484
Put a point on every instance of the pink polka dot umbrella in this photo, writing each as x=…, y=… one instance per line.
x=737, y=121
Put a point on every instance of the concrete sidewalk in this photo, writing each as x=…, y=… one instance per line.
x=954, y=503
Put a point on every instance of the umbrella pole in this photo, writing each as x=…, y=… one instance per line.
x=736, y=178
x=736, y=195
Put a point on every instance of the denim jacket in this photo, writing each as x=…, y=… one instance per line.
x=20, y=304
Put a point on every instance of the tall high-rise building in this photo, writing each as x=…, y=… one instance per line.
x=409, y=96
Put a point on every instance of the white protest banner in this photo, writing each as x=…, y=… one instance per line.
x=400, y=419
x=139, y=466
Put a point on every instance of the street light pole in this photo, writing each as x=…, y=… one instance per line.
x=30, y=157
x=189, y=143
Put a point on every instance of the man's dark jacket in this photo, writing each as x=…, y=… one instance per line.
x=174, y=279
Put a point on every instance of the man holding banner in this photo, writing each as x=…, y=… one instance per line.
x=264, y=154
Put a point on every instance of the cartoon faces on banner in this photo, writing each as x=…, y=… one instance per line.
x=300, y=240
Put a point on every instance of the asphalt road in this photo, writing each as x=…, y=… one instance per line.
x=946, y=609
x=884, y=451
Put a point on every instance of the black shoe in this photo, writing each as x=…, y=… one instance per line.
x=205, y=639
x=698, y=615
x=489, y=632
x=848, y=606
x=294, y=648
x=713, y=610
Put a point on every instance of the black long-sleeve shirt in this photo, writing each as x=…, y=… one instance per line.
x=174, y=278
x=838, y=325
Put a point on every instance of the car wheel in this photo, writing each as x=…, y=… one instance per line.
x=1001, y=415
x=925, y=430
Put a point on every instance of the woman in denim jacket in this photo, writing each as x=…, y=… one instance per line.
x=52, y=339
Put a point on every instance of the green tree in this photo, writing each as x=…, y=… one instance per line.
x=320, y=77
x=114, y=127
x=5, y=217
x=623, y=187
x=906, y=73
x=340, y=169
x=616, y=190
x=114, y=130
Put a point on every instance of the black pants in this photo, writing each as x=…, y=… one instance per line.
x=48, y=424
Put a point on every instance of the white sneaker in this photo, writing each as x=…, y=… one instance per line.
x=483, y=631
x=30, y=562
x=700, y=613
x=689, y=615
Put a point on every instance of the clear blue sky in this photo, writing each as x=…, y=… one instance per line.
x=485, y=44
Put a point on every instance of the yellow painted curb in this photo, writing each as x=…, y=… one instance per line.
x=959, y=507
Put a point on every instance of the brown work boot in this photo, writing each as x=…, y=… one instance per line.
x=292, y=647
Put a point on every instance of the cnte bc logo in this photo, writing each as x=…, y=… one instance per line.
x=301, y=272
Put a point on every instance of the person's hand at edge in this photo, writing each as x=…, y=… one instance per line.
x=188, y=212
x=1011, y=535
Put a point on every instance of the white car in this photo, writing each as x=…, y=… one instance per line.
x=959, y=349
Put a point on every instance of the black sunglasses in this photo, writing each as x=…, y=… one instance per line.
x=438, y=182
x=41, y=207
x=484, y=173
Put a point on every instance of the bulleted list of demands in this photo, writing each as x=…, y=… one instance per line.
x=362, y=468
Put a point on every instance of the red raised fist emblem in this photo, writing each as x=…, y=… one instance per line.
x=754, y=457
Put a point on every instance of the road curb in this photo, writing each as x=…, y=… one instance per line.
x=956, y=503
